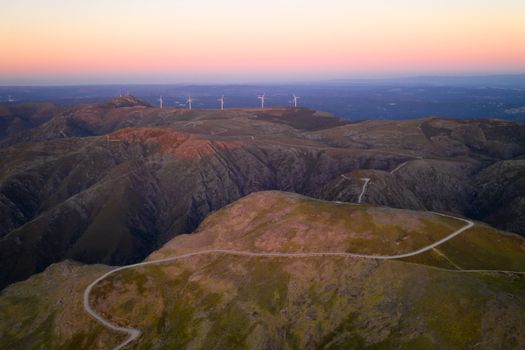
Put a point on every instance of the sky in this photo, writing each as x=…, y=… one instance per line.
x=228, y=41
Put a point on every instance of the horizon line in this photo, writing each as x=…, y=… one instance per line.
x=275, y=82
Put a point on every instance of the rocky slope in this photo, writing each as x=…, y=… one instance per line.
x=448, y=168
x=499, y=195
x=112, y=182
x=15, y=119
x=223, y=302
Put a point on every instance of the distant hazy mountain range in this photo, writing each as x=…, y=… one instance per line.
x=500, y=96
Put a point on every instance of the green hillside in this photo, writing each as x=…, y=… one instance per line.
x=221, y=301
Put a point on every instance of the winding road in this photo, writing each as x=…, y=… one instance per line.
x=135, y=333
x=396, y=169
x=363, y=191
x=366, y=180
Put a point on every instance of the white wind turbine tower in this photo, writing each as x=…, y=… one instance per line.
x=295, y=98
x=189, y=102
x=261, y=97
x=221, y=100
x=161, y=102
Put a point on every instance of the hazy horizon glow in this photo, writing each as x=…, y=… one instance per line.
x=164, y=41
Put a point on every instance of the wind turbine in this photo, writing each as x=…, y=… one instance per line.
x=189, y=102
x=161, y=102
x=295, y=98
x=261, y=97
x=221, y=100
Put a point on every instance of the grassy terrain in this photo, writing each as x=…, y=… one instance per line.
x=479, y=248
x=45, y=312
x=234, y=302
x=276, y=221
x=220, y=301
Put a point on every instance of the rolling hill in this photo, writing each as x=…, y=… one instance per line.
x=460, y=294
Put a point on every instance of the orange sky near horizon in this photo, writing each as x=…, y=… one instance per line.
x=99, y=40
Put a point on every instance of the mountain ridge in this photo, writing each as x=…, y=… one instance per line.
x=148, y=177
